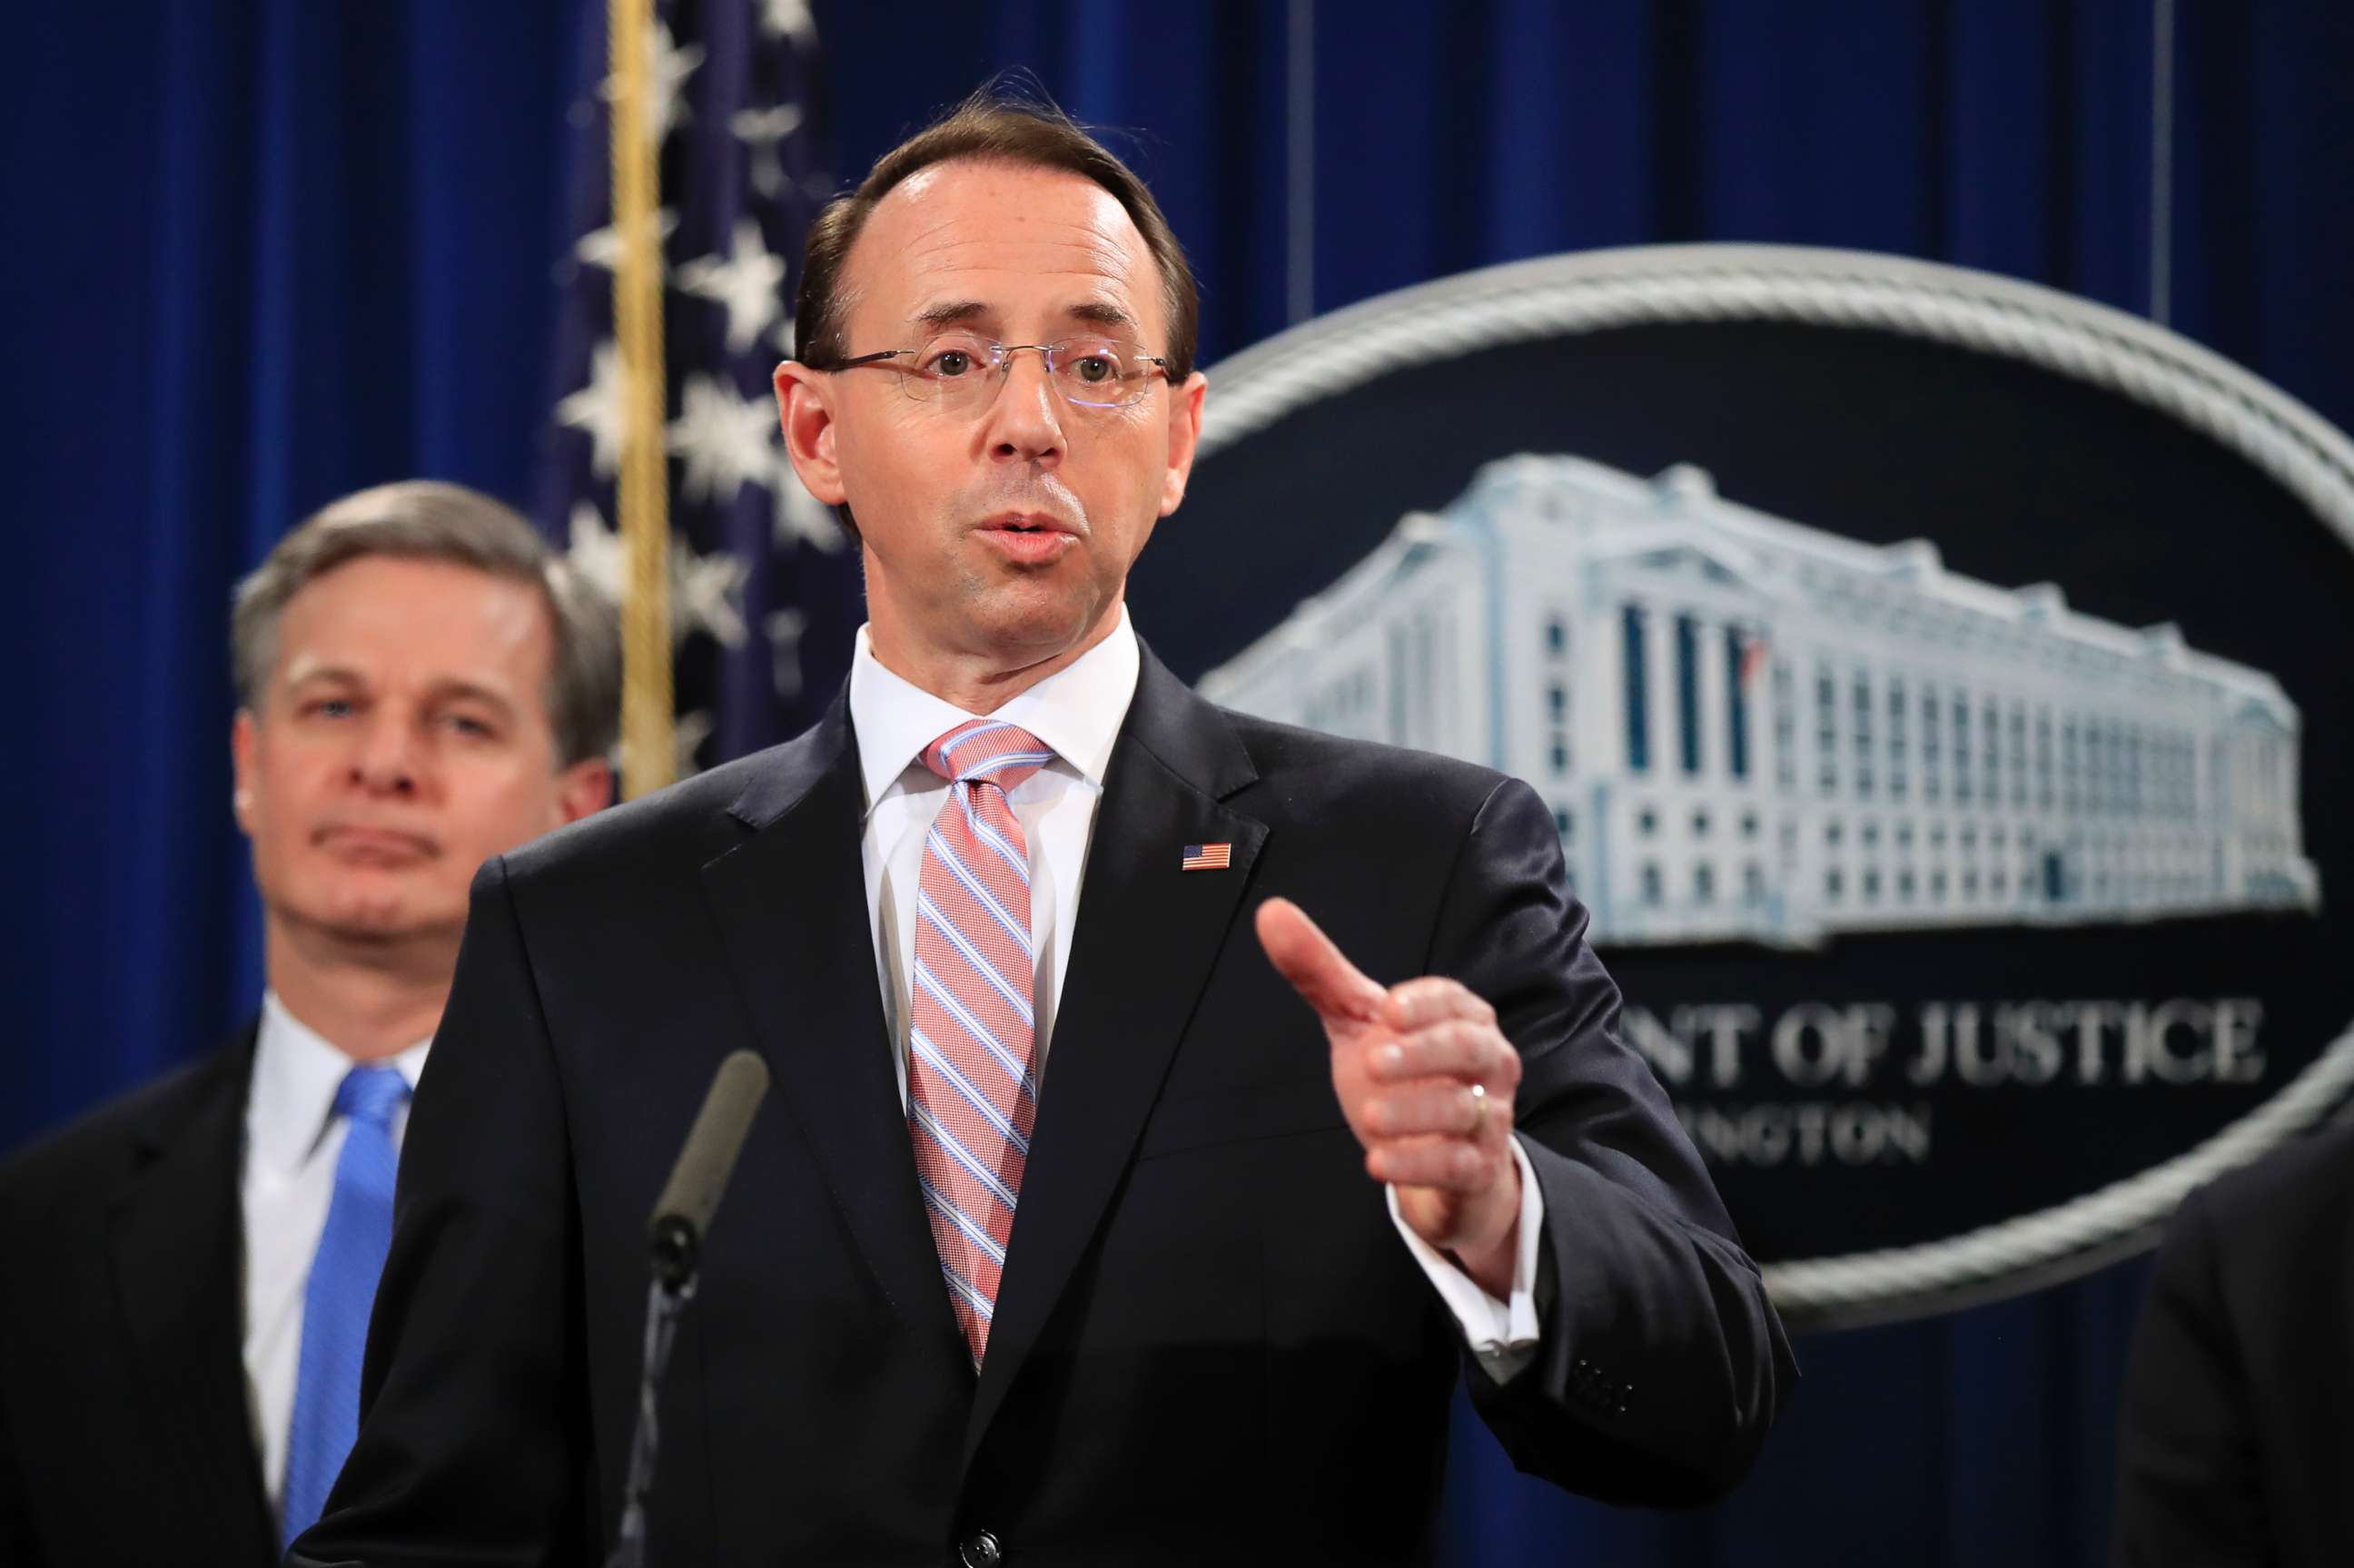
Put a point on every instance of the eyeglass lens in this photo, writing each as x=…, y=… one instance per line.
x=964, y=369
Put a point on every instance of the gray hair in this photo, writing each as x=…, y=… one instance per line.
x=425, y=520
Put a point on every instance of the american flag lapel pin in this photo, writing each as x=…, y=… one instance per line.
x=1208, y=857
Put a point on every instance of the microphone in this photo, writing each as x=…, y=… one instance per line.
x=675, y=1238
x=689, y=1199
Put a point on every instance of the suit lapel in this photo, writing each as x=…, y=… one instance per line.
x=1146, y=937
x=791, y=907
x=176, y=1232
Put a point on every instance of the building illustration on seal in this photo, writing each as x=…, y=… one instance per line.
x=1750, y=729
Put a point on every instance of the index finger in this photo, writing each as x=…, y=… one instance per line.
x=1302, y=954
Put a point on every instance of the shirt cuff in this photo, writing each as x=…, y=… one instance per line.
x=1501, y=1334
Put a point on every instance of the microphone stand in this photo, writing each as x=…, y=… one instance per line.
x=664, y=1302
x=674, y=1235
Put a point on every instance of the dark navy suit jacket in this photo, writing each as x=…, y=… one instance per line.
x=125, y=1435
x=2238, y=1437
x=1209, y=1343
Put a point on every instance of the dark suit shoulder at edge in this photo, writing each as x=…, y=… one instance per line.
x=2288, y=1188
x=99, y=1142
x=1278, y=750
x=688, y=816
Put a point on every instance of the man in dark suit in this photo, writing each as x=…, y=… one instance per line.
x=2236, y=1444
x=991, y=925
x=421, y=686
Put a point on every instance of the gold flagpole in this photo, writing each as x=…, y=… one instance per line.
x=648, y=756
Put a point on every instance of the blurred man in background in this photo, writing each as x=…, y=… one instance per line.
x=2236, y=1443
x=422, y=684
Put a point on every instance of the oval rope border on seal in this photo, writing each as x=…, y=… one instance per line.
x=1560, y=296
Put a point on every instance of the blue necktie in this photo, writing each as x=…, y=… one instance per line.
x=342, y=1286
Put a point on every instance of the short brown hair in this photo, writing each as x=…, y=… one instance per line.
x=997, y=126
x=427, y=521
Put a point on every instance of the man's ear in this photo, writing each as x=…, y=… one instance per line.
x=805, y=408
x=587, y=785
x=1185, y=436
x=241, y=759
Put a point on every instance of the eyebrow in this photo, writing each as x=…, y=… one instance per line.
x=469, y=691
x=952, y=312
x=446, y=691
x=970, y=312
x=1101, y=312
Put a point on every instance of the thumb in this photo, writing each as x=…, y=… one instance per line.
x=1306, y=956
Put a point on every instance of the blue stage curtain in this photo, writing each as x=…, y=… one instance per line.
x=258, y=255
x=261, y=255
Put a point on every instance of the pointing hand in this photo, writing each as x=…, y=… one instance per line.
x=1426, y=1080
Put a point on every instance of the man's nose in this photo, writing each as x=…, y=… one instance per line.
x=1026, y=419
x=389, y=760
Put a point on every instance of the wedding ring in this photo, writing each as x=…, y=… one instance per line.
x=1478, y=1107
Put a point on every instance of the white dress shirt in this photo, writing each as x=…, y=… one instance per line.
x=293, y=1140
x=1077, y=713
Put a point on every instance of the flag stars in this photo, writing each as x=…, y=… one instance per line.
x=603, y=247
x=595, y=551
x=788, y=19
x=762, y=131
x=706, y=592
x=750, y=169
x=597, y=408
x=749, y=284
x=724, y=440
x=667, y=68
x=688, y=731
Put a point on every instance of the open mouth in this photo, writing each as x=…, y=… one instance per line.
x=1029, y=538
x=1029, y=523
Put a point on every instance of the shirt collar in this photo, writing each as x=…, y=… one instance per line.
x=295, y=1075
x=1077, y=711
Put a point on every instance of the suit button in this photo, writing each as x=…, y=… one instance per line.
x=980, y=1550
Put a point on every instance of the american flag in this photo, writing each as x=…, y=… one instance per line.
x=1754, y=648
x=1208, y=857
x=764, y=587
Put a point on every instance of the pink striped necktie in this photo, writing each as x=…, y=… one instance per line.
x=972, y=1097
